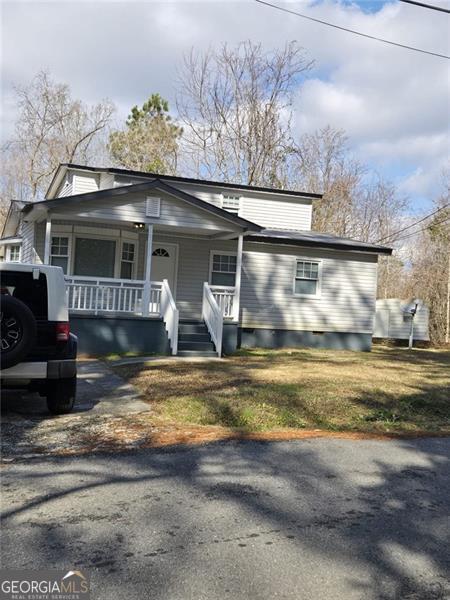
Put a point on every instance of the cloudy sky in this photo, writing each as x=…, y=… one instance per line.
x=393, y=103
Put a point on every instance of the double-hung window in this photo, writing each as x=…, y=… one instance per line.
x=127, y=260
x=59, y=255
x=307, y=278
x=223, y=269
x=14, y=253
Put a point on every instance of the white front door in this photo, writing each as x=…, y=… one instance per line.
x=164, y=264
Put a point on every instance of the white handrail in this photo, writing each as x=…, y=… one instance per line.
x=101, y=294
x=170, y=315
x=225, y=298
x=213, y=317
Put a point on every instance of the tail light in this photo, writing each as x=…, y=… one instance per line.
x=62, y=332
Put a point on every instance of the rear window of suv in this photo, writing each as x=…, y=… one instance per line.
x=32, y=292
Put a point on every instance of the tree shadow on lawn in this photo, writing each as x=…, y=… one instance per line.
x=341, y=504
x=233, y=394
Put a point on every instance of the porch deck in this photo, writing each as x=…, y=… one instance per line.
x=134, y=297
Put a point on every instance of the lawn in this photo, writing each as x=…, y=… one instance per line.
x=387, y=390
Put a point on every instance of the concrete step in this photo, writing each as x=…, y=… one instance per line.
x=198, y=346
x=187, y=353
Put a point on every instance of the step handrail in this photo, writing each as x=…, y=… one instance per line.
x=213, y=317
x=170, y=315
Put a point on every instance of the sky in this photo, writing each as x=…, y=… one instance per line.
x=392, y=103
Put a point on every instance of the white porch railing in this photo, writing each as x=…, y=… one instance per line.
x=224, y=296
x=99, y=294
x=170, y=315
x=213, y=316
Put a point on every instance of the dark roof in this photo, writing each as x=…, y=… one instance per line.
x=315, y=239
x=175, y=178
x=143, y=187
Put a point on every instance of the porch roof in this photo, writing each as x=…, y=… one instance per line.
x=116, y=193
x=315, y=239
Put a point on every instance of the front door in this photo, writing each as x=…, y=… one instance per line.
x=164, y=264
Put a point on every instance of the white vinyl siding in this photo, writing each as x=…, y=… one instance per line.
x=268, y=210
x=346, y=303
x=84, y=183
x=28, y=241
x=278, y=214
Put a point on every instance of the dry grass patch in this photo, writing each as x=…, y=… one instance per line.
x=387, y=390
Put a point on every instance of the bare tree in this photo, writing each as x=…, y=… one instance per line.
x=51, y=128
x=235, y=107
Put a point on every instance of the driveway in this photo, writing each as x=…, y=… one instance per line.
x=317, y=519
x=103, y=398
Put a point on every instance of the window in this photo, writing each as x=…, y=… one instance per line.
x=59, y=255
x=307, y=278
x=14, y=253
x=127, y=263
x=94, y=257
x=161, y=252
x=223, y=269
x=231, y=204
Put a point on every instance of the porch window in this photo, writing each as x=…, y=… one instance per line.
x=307, y=278
x=94, y=257
x=223, y=269
x=14, y=253
x=127, y=263
x=59, y=255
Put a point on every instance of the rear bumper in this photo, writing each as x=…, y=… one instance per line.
x=52, y=369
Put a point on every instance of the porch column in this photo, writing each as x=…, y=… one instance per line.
x=148, y=273
x=48, y=241
x=237, y=293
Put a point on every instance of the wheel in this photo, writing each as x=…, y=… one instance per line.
x=61, y=395
x=18, y=331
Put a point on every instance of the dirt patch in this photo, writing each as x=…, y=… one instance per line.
x=69, y=437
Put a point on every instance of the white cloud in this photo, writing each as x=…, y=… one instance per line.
x=393, y=103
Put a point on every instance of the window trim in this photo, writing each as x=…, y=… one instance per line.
x=134, y=262
x=63, y=234
x=319, y=262
x=72, y=232
x=8, y=252
x=211, y=261
x=239, y=211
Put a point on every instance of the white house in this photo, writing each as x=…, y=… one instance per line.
x=168, y=264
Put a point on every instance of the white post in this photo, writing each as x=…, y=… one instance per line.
x=48, y=241
x=148, y=273
x=411, y=333
x=237, y=291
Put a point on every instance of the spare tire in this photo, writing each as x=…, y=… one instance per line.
x=18, y=331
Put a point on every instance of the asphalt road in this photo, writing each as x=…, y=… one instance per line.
x=318, y=519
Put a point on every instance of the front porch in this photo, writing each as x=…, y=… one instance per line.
x=146, y=251
x=191, y=273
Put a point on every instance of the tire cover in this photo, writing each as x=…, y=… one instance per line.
x=18, y=331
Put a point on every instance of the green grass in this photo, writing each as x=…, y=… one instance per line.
x=387, y=390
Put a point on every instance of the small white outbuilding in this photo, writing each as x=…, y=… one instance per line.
x=393, y=320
